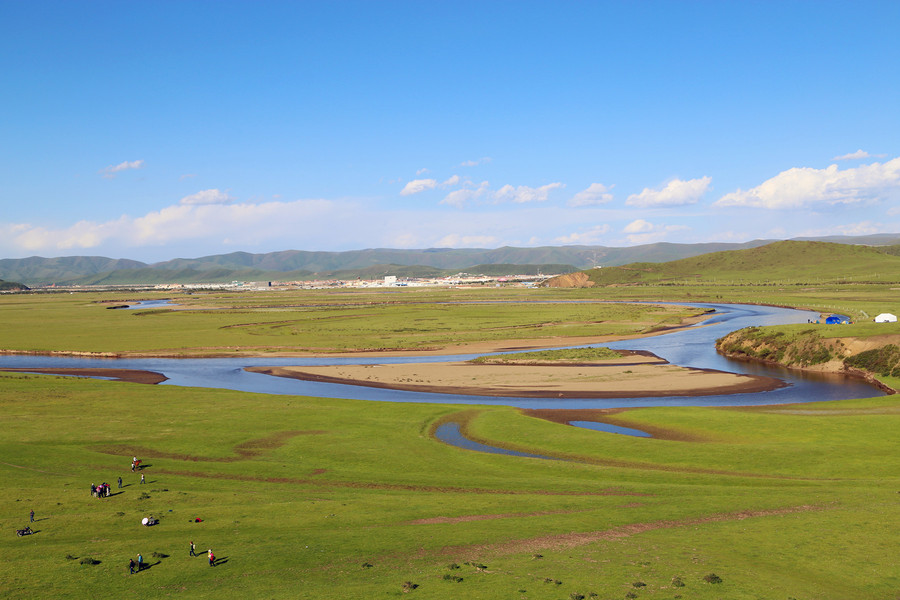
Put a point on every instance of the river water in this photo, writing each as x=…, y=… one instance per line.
x=689, y=347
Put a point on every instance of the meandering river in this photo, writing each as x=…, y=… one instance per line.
x=689, y=347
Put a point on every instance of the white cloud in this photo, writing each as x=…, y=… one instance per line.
x=468, y=193
x=853, y=155
x=418, y=185
x=421, y=171
x=187, y=176
x=675, y=193
x=451, y=181
x=638, y=226
x=860, y=228
x=641, y=231
x=523, y=193
x=803, y=187
x=242, y=223
x=110, y=171
x=596, y=193
x=207, y=197
x=475, y=163
x=590, y=237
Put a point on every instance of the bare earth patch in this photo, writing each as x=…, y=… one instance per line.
x=469, y=518
x=567, y=541
x=245, y=451
x=604, y=379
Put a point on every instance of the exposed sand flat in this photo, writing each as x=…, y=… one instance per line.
x=606, y=379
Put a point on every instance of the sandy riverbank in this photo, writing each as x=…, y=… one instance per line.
x=630, y=377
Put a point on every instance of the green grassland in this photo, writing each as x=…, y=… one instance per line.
x=314, y=498
x=315, y=322
x=321, y=498
x=564, y=355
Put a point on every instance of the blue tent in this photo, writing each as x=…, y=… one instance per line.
x=837, y=320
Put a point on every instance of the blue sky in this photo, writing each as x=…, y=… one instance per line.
x=155, y=130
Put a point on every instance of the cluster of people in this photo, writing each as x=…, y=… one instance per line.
x=99, y=491
x=135, y=566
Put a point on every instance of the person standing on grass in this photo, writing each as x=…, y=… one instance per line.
x=131, y=566
x=140, y=562
x=120, y=483
x=212, y=558
x=142, y=478
x=192, y=550
x=32, y=515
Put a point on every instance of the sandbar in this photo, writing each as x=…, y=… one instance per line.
x=130, y=375
x=603, y=379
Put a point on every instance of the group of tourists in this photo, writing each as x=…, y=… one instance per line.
x=135, y=566
x=99, y=491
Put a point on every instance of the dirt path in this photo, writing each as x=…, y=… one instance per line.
x=565, y=541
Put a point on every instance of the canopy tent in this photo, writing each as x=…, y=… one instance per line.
x=886, y=318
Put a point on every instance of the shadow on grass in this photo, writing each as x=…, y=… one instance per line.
x=220, y=561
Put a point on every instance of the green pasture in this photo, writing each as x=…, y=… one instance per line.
x=305, y=322
x=316, y=498
x=562, y=355
x=320, y=498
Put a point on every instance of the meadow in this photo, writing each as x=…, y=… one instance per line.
x=317, y=498
x=305, y=322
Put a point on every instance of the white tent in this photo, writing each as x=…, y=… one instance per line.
x=886, y=318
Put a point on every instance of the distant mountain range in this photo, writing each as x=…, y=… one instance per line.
x=290, y=265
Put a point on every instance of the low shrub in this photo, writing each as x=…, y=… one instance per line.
x=712, y=578
x=884, y=361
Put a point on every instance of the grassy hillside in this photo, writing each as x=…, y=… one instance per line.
x=291, y=264
x=785, y=263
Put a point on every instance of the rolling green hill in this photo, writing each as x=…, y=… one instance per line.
x=298, y=265
x=786, y=262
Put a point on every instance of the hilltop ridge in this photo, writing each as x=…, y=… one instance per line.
x=289, y=265
x=788, y=261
